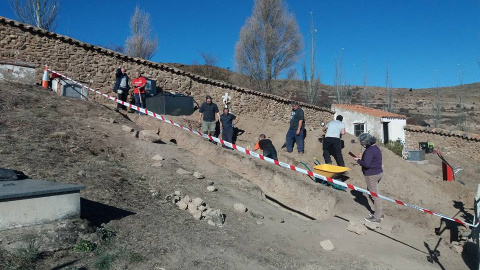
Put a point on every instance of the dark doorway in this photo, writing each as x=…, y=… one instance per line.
x=385, y=132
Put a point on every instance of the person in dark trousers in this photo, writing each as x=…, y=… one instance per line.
x=140, y=94
x=227, y=123
x=371, y=162
x=296, y=131
x=332, y=143
x=121, y=87
x=208, y=113
x=267, y=146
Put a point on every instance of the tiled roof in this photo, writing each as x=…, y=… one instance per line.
x=369, y=111
x=33, y=29
x=444, y=132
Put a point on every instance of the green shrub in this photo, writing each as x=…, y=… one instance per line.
x=84, y=246
x=105, y=234
x=104, y=261
x=395, y=146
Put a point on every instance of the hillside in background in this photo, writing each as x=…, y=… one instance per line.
x=416, y=104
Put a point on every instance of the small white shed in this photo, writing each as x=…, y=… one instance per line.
x=385, y=126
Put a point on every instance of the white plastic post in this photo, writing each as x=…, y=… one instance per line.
x=476, y=230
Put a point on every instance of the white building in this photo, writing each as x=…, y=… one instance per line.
x=385, y=126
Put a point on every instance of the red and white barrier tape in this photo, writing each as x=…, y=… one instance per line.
x=276, y=162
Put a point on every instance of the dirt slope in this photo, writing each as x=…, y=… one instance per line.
x=125, y=194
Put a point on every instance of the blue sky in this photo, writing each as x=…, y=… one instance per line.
x=415, y=37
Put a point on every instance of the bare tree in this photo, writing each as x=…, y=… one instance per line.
x=388, y=88
x=462, y=118
x=338, y=79
x=115, y=48
x=270, y=43
x=40, y=13
x=313, y=82
x=210, y=63
x=365, y=91
x=141, y=43
x=437, y=105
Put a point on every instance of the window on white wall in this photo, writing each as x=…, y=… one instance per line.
x=358, y=128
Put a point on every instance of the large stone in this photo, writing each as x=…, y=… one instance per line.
x=356, y=228
x=192, y=208
x=157, y=164
x=182, y=205
x=158, y=158
x=197, y=202
x=218, y=217
x=183, y=172
x=240, y=207
x=198, y=175
x=212, y=188
x=197, y=215
x=327, y=245
x=149, y=136
x=127, y=128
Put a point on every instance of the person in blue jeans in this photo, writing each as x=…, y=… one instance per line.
x=296, y=131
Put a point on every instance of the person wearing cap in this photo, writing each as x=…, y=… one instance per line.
x=227, y=123
x=332, y=143
x=208, y=116
x=139, y=84
x=296, y=131
x=267, y=146
x=371, y=162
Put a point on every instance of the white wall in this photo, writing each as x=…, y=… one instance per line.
x=373, y=125
x=395, y=128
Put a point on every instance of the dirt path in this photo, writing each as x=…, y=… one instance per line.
x=126, y=194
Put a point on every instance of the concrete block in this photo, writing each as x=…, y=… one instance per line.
x=29, y=202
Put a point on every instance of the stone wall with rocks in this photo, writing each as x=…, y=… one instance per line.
x=466, y=144
x=96, y=66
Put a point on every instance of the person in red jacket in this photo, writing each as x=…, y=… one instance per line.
x=139, y=90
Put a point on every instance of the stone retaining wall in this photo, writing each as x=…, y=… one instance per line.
x=96, y=66
x=467, y=144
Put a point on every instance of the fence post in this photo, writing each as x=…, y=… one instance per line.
x=476, y=230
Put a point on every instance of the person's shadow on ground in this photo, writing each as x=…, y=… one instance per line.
x=361, y=199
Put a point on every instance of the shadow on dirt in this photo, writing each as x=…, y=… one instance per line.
x=361, y=199
x=99, y=213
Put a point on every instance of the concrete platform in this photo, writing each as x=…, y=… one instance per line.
x=29, y=202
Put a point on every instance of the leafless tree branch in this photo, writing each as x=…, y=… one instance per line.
x=141, y=43
x=40, y=13
x=270, y=43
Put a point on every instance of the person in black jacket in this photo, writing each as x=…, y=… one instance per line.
x=121, y=87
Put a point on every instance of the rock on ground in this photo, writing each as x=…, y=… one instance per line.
x=59, y=134
x=127, y=128
x=183, y=172
x=197, y=202
x=327, y=245
x=158, y=158
x=255, y=214
x=157, y=164
x=217, y=217
x=210, y=183
x=198, y=175
x=149, y=136
x=240, y=207
x=212, y=188
x=182, y=205
x=356, y=228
